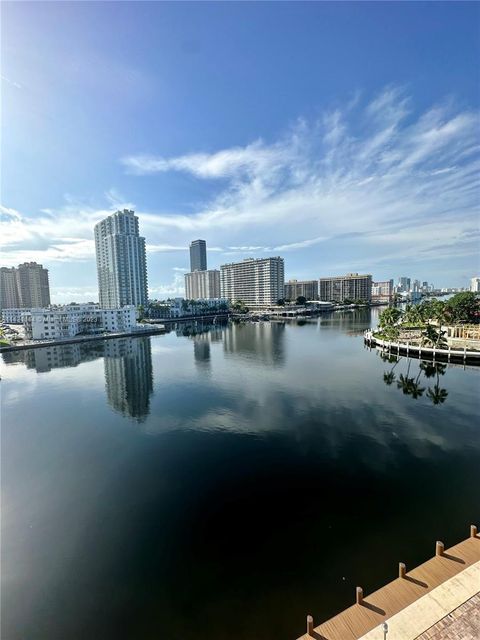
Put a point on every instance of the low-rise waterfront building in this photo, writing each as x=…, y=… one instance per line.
x=180, y=307
x=202, y=285
x=77, y=319
x=254, y=281
x=352, y=286
x=305, y=288
x=14, y=316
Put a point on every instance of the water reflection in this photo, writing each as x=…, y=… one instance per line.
x=129, y=376
x=261, y=342
x=48, y=358
x=128, y=368
x=411, y=385
x=272, y=442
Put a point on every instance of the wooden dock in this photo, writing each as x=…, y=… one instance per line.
x=372, y=610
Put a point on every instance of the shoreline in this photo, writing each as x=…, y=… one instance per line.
x=425, y=353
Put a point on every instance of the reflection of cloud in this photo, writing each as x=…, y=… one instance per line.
x=327, y=401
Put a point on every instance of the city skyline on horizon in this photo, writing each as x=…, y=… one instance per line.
x=367, y=161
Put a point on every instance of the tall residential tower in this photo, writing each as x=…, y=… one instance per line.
x=121, y=261
x=24, y=287
x=198, y=255
x=254, y=281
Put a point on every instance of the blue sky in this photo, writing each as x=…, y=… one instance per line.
x=342, y=136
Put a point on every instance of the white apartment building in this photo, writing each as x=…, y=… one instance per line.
x=254, y=281
x=475, y=285
x=77, y=319
x=201, y=285
x=352, y=286
x=121, y=261
x=13, y=316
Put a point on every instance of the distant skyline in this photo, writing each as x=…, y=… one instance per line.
x=341, y=136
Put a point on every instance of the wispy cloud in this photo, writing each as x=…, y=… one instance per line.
x=377, y=183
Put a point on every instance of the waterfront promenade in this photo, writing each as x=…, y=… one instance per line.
x=413, y=603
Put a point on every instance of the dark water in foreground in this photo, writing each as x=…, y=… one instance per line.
x=224, y=484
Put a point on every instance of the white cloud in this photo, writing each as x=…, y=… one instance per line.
x=378, y=180
x=175, y=288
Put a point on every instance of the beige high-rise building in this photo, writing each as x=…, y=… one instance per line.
x=254, y=281
x=9, y=298
x=33, y=286
x=306, y=288
x=24, y=287
x=202, y=285
x=352, y=286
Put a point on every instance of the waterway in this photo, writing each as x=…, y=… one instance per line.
x=224, y=481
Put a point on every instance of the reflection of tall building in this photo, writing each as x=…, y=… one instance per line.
x=129, y=375
x=201, y=348
x=262, y=341
x=55, y=357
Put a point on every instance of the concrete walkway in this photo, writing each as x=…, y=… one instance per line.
x=426, y=612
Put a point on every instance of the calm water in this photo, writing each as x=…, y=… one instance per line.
x=228, y=482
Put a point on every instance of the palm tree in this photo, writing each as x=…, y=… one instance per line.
x=435, y=337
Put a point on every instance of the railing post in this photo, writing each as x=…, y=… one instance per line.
x=439, y=548
x=359, y=595
x=473, y=531
x=310, y=626
x=402, y=569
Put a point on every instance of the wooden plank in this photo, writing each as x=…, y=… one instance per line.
x=358, y=619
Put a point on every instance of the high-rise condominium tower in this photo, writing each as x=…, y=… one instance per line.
x=198, y=255
x=255, y=281
x=24, y=287
x=33, y=287
x=121, y=261
x=200, y=285
x=350, y=287
x=9, y=298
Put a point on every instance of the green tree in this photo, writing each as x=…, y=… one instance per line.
x=301, y=300
x=390, y=317
x=281, y=302
x=463, y=307
x=141, y=311
x=435, y=337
